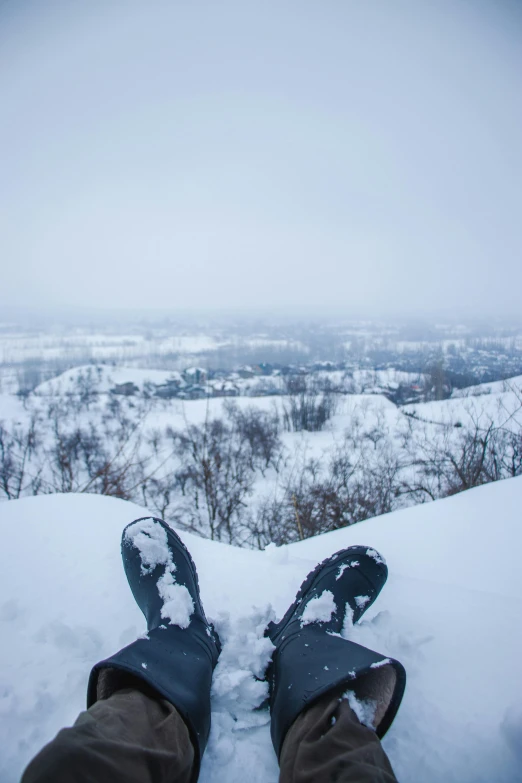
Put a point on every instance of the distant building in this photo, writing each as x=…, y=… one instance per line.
x=226, y=389
x=195, y=375
x=168, y=390
x=128, y=389
x=266, y=368
x=246, y=372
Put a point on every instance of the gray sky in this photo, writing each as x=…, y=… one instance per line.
x=247, y=154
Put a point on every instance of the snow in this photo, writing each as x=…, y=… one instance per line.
x=178, y=606
x=150, y=538
x=103, y=379
x=494, y=387
x=501, y=407
x=379, y=664
x=96, y=345
x=319, y=609
x=347, y=629
x=375, y=556
x=11, y=409
x=364, y=709
x=450, y=613
x=344, y=566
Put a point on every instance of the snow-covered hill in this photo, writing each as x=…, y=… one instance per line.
x=497, y=402
x=490, y=388
x=450, y=612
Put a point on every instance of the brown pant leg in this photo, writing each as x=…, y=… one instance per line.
x=327, y=744
x=127, y=738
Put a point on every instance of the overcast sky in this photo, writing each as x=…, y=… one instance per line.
x=362, y=155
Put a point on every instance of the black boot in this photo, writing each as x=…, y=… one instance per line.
x=177, y=657
x=311, y=658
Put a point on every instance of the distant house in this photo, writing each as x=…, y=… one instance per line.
x=226, y=389
x=265, y=388
x=126, y=389
x=323, y=366
x=266, y=368
x=195, y=375
x=168, y=390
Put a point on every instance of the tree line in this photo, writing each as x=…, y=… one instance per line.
x=239, y=477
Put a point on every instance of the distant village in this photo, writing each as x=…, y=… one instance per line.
x=402, y=377
x=197, y=383
x=262, y=380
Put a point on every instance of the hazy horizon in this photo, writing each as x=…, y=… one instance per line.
x=354, y=158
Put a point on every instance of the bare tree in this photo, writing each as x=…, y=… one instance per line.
x=318, y=498
x=307, y=406
x=260, y=430
x=215, y=478
x=17, y=449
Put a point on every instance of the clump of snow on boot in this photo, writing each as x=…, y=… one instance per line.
x=150, y=539
x=342, y=569
x=364, y=709
x=376, y=556
x=319, y=609
x=347, y=628
x=380, y=664
x=178, y=606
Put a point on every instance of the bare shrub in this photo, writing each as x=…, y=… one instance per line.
x=18, y=446
x=215, y=478
x=450, y=458
x=260, y=430
x=307, y=405
x=317, y=499
x=205, y=478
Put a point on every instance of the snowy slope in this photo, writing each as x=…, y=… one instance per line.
x=450, y=612
x=503, y=408
x=495, y=387
x=103, y=379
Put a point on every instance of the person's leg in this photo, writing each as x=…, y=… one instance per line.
x=327, y=744
x=131, y=737
x=148, y=716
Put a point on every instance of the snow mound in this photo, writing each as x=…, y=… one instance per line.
x=450, y=612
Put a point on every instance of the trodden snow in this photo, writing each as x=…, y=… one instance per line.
x=450, y=612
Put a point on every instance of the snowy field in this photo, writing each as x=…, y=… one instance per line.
x=71, y=344
x=450, y=612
